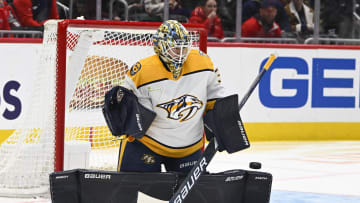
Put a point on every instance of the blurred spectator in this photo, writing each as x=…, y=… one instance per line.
x=137, y=10
x=136, y=4
x=189, y=4
x=310, y=3
x=206, y=14
x=7, y=17
x=176, y=8
x=88, y=10
x=262, y=24
x=227, y=13
x=285, y=2
x=85, y=8
x=155, y=9
x=301, y=18
x=135, y=7
x=118, y=10
x=336, y=17
x=251, y=7
x=34, y=13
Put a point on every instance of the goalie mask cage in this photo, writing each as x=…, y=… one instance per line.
x=80, y=60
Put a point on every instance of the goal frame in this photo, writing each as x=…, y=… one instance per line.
x=61, y=47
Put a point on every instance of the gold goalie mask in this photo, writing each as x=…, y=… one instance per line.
x=172, y=43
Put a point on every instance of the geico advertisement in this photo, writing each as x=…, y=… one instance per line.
x=18, y=62
x=302, y=85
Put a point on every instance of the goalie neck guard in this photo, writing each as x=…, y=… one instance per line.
x=172, y=43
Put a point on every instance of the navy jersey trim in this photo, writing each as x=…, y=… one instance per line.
x=193, y=72
x=154, y=81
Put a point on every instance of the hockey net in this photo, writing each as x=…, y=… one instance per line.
x=79, y=62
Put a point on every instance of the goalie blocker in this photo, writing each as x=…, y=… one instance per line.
x=84, y=186
x=224, y=123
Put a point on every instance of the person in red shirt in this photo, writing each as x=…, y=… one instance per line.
x=206, y=14
x=7, y=16
x=34, y=13
x=262, y=24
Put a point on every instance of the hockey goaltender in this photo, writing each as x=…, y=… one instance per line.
x=159, y=114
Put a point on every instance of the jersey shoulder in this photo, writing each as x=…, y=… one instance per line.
x=146, y=71
x=197, y=61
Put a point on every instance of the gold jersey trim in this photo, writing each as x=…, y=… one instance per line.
x=210, y=104
x=151, y=69
x=121, y=153
x=169, y=151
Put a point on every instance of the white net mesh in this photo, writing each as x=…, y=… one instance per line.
x=97, y=60
x=26, y=157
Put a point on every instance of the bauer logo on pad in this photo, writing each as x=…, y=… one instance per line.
x=97, y=176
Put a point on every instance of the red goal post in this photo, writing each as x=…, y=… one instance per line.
x=79, y=61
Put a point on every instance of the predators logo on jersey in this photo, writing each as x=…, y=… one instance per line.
x=182, y=108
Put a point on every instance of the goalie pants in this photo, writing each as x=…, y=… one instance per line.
x=136, y=157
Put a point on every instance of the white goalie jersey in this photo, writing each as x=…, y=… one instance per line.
x=179, y=104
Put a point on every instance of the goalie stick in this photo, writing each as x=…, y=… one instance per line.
x=200, y=166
